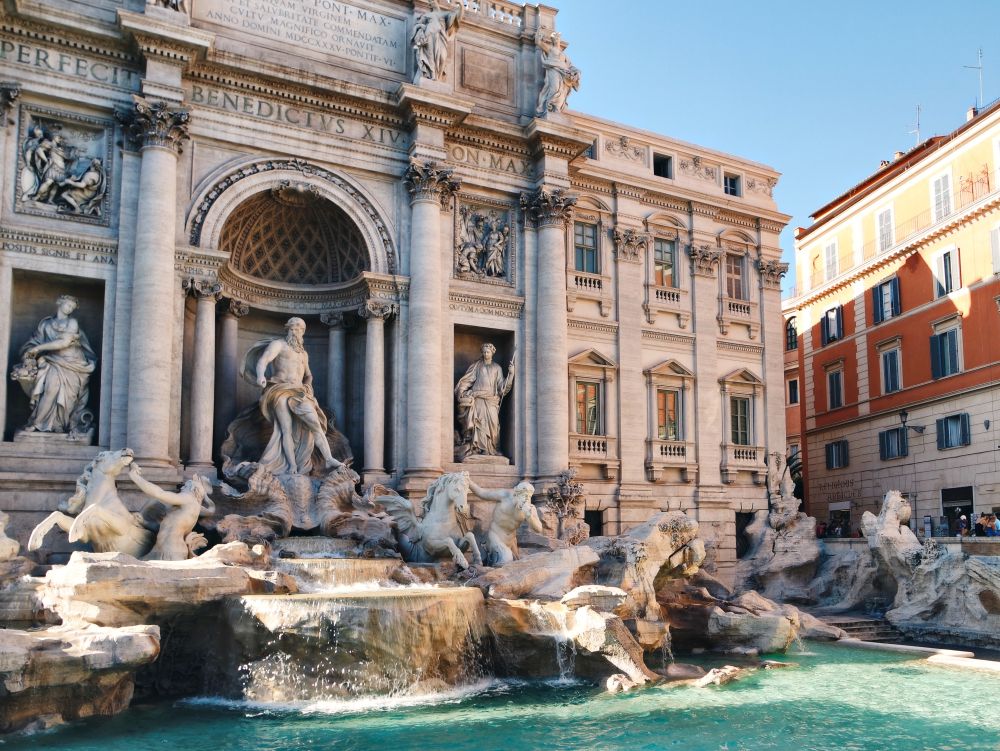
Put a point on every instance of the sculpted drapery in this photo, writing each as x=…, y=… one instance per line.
x=480, y=392
x=55, y=373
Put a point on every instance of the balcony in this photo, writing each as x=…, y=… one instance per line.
x=670, y=455
x=737, y=458
x=669, y=300
x=582, y=285
x=601, y=450
x=740, y=312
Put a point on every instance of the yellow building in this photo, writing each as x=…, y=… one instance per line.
x=898, y=346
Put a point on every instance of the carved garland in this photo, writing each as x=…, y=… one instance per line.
x=306, y=169
x=622, y=147
x=630, y=244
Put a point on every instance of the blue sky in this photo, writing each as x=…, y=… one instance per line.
x=820, y=91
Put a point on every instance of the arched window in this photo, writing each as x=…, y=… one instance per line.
x=791, y=335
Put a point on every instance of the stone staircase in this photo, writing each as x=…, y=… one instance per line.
x=864, y=628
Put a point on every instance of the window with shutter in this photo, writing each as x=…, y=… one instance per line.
x=831, y=261
x=942, y=197
x=885, y=238
x=944, y=353
x=835, y=389
x=954, y=431
x=891, y=371
x=895, y=303
x=877, y=312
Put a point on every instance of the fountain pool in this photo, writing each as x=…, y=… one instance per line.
x=837, y=698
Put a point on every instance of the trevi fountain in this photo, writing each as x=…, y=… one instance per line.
x=445, y=592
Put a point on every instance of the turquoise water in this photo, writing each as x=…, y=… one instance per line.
x=837, y=698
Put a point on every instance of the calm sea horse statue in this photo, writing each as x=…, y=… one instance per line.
x=96, y=515
x=443, y=531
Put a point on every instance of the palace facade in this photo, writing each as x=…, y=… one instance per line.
x=408, y=180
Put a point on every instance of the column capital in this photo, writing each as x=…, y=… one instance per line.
x=379, y=309
x=704, y=259
x=334, y=319
x=155, y=123
x=201, y=288
x=771, y=273
x=548, y=207
x=427, y=182
x=630, y=243
x=9, y=93
x=235, y=308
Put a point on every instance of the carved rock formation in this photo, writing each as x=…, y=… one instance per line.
x=784, y=554
x=546, y=576
x=61, y=674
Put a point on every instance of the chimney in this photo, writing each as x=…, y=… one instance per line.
x=971, y=114
x=897, y=155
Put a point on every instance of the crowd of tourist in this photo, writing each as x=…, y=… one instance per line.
x=987, y=525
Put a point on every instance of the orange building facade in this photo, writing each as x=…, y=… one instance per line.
x=893, y=337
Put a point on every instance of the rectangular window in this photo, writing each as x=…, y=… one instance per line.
x=793, y=391
x=588, y=408
x=954, y=431
x=892, y=444
x=885, y=300
x=946, y=276
x=668, y=417
x=942, y=197
x=739, y=412
x=891, y=369
x=735, y=277
x=836, y=455
x=663, y=166
x=885, y=230
x=731, y=184
x=831, y=325
x=832, y=262
x=944, y=353
x=835, y=388
x=665, y=263
x=585, y=240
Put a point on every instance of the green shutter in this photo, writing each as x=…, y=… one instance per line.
x=877, y=303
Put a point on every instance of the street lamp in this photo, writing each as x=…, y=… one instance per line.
x=904, y=416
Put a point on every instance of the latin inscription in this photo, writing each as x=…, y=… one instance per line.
x=301, y=117
x=68, y=255
x=488, y=160
x=33, y=56
x=317, y=28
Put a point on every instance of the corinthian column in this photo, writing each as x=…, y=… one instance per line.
x=336, y=368
x=375, y=312
x=551, y=210
x=202, y=375
x=429, y=188
x=160, y=130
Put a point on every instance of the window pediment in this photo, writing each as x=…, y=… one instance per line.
x=741, y=377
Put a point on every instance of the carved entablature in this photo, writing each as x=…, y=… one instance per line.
x=771, y=273
x=624, y=148
x=9, y=92
x=64, y=165
x=484, y=241
x=704, y=259
x=151, y=123
x=549, y=206
x=427, y=182
x=694, y=166
x=630, y=244
x=763, y=185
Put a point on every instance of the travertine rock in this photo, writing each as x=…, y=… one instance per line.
x=666, y=546
x=60, y=674
x=536, y=639
x=619, y=684
x=542, y=576
x=783, y=557
x=8, y=547
x=939, y=594
x=721, y=676
x=113, y=589
x=596, y=596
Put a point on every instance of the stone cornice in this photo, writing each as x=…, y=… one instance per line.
x=549, y=139
x=497, y=305
x=668, y=336
x=101, y=40
x=591, y=186
x=66, y=242
x=593, y=327
x=485, y=139
x=740, y=347
x=165, y=39
x=422, y=107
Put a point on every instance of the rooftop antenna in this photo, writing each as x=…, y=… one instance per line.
x=917, y=129
x=978, y=67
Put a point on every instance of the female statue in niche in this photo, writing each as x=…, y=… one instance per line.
x=480, y=392
x=55, y=373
